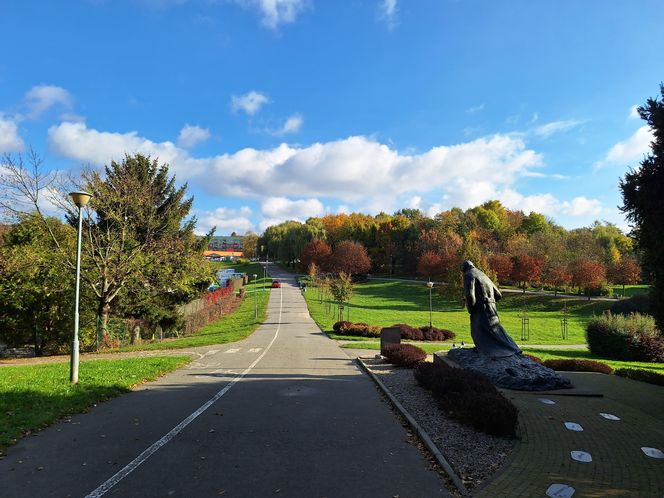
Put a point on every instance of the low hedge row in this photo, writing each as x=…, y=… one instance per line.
x=404, y=355
x=469, y=398
x=642, y=375
x=408, y=332
x=579, y=366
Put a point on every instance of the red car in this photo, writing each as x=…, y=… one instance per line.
x=276, y=283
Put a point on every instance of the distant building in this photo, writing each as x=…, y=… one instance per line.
x=226, y=243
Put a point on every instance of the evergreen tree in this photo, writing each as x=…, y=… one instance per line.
x=643, y=200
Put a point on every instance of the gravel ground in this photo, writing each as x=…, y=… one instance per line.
x=473, y=455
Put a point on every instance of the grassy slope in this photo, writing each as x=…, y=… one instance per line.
x=386, y=303
x=234, y=327
x=34, y=396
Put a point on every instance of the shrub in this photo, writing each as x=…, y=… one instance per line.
x=361, y=329
x=642, y=375
x=490, y=413
x=404, y=355
x=409, y=333
x=342, y=323
x=435, y=334
x=635, y=304
x=632, y=338
x=579, y=366
x=469, y=397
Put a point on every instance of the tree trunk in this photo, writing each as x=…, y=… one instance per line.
x=135, y=334
x=103, y=312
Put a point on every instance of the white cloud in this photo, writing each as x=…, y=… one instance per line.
x=389, y=13
x=10, y=140
x=40, y=98
x=629, y=151
x=190, y=136
x=292, y=125
x=278, y=209
x=77, y=141
x=475, y=109
x=548, y=129
x=351, y=170
x=550, y=205
x=226, y=220
x=535, y=117
x=250, y=102
x=275, y=12
x=634, y=113
x=582, y=206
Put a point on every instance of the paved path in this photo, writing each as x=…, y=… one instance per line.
x=293, y=417
x=619, y=468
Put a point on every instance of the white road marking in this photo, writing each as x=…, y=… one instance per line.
x=547, y=401
x=255, y=350
x=136, y=462
x=233, y=350
x=211, y=352
x=609, y=416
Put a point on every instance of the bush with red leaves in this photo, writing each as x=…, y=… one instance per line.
x=435, y=334
x=340, y=324
x=469, y=398
x=404, y=355
x=579, y=366
x=409, y=333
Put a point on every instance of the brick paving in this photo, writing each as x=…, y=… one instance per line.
x=619, y=467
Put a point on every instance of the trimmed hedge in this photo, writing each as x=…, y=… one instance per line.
x=408, y=332
x=642, y=375
x=630, y=338
x=635, y=304
x=404, y=355
x=340, y=324
x=469, y=397
x=435, y=334
x=579, y=366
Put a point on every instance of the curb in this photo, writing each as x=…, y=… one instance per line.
x=421, y=433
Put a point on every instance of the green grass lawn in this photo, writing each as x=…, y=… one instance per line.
x=34, y=396
x=630, y=290
x=385, y=303
x=234, y=327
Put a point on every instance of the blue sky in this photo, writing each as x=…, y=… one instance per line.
x=285, y=109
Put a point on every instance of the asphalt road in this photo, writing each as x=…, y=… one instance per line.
x=282, y=413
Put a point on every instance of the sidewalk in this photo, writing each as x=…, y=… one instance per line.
x=619, y=467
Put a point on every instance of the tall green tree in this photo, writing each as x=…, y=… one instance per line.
x=643, y=203
x=138, y=238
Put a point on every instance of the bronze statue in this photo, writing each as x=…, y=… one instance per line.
x=488, y=334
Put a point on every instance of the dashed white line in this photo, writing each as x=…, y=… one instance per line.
x=233, y=350
x=136, y=462
x=255, y=350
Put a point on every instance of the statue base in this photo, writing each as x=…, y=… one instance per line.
x=512, y=372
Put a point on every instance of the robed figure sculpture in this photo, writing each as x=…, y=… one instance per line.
x=488, y=334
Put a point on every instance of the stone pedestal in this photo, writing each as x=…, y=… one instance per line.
x=513, y=372
x=389, y=335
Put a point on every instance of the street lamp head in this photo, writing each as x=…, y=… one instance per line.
x=81, y=198
x=255, y=276
x=429, y=284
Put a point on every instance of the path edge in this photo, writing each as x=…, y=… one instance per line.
x=421, y=433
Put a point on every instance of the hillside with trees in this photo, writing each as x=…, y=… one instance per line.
x=514, y=247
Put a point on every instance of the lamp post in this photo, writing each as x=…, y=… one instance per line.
x=255, y=298
x=81, y=199
x=430, y=286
